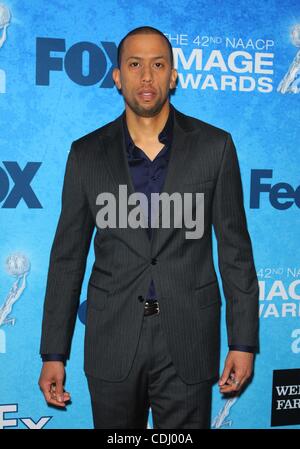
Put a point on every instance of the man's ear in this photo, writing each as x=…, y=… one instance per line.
x=116, y=77
x=173, y=79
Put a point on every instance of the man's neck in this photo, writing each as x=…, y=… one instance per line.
x=146, y=129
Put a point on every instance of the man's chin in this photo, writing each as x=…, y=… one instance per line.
x=146, y=110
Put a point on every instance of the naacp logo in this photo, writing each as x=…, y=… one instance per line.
x=291, y=80
x=5, y=18
x=223, y=417
x=17, y=265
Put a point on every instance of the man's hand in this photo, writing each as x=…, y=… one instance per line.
x=238, y=368
x=51, y=383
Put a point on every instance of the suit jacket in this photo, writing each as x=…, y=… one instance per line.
x=203, y=159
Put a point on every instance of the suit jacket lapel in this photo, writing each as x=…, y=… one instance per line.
x=116, y=158
x=117, y=164
x=175, y=173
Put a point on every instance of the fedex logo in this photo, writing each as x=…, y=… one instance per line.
x=281, y=195
x=6, y=421
x=21, y=188
x=85, y=63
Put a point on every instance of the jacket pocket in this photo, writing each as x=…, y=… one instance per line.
x=208, y=294
x=96, y=297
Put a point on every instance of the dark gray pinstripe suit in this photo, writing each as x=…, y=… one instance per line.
x=203, y=159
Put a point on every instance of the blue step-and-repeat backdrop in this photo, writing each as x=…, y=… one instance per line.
x=239, y=69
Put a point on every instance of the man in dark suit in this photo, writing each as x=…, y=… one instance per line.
x=153, y=302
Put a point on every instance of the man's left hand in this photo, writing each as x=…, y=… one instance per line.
x=238, y=368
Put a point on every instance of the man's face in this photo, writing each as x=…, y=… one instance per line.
x=145, y=76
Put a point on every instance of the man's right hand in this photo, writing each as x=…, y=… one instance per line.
x=51, y=383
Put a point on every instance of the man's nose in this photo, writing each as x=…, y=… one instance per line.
x=147, y=74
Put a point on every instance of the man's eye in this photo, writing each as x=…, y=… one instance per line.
x=158, y=64
x=134, y=64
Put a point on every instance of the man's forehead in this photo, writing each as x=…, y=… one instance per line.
x=147, y=56
x=146, y=44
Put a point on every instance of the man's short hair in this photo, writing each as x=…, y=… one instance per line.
x=143, y=30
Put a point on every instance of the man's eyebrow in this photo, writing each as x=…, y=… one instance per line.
x=139, y=58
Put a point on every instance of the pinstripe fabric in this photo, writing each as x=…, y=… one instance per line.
x=203, y=159
x=153, y=383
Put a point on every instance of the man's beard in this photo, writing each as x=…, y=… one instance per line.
x=139, y=110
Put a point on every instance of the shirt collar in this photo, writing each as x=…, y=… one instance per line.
x=165, y=136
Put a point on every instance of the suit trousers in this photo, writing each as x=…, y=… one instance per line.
x=153, y=383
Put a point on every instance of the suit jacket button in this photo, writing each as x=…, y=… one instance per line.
x=154, y=261
x=140, y=298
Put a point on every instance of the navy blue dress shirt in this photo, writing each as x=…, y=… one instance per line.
x=148, y=177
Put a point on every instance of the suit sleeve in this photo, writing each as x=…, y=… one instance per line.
x=54, y=358
x=67, y=263
x=235, y=257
